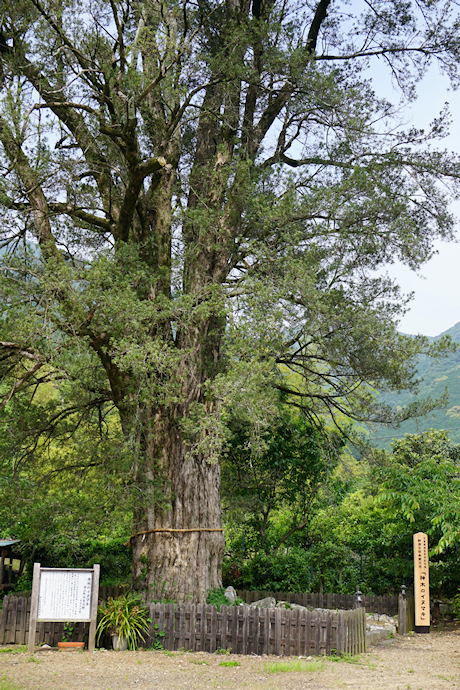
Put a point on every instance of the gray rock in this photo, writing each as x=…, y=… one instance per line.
x=383, y=618
x=375, y=622
x=445, y=608
x=267, y=603
x=231, y=595
x=300, y=607
x=376, y=634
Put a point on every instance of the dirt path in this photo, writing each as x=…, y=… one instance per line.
x=420, y=662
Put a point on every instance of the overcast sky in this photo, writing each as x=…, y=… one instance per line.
x=436, y=304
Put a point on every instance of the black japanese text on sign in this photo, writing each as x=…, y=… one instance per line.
x=421, y=583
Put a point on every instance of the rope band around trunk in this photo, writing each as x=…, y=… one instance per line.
x=177, y=530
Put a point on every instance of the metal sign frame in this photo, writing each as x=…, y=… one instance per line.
x=88, y=600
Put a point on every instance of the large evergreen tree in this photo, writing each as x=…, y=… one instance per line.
x=197, y=198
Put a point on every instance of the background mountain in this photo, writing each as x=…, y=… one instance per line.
x=437, y=375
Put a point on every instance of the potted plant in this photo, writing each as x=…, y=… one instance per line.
x=125, y=619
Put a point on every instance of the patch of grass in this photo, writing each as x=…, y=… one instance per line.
x=229, y=663
x=353, y=659
x=297, y=666
x=33, y=659
x=346, y=658
x=6, y=684
x=199, y=662
x=18, y=649
x=219, y=650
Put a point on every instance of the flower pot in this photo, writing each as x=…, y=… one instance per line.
x=71, y=645
x=120, y=644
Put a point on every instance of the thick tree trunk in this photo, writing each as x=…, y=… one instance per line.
x=177, y=541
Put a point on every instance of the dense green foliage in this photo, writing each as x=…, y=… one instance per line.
x=361, y=531
x=283, y=467
x=419, y=484
x=112, y=554
x=64, y=494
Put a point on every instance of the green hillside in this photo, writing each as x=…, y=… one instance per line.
x=437, y=375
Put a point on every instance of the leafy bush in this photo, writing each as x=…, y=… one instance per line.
x=276, y=572
x=456, y=604
x=113, y=556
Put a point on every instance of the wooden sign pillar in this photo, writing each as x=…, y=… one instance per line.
x=421, y=583
x=64, y=595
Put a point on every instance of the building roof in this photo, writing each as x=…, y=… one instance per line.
x=8, y=542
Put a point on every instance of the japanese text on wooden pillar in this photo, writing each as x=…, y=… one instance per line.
x=421, y=583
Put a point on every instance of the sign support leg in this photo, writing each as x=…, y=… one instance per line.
x=93, y=613
x=34, y=608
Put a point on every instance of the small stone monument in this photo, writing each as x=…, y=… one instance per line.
x=230, y=593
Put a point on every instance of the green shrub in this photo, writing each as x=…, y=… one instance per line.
x=280, y=572
x=113, y=556
x=456, y=604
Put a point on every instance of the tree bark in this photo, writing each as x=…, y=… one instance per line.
x=178, y=541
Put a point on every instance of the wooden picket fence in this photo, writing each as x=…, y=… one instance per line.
x=372, y=603
x=240, y=629
x=251, y=630
x=14, y=625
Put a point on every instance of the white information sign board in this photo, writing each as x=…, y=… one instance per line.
x=65, y=595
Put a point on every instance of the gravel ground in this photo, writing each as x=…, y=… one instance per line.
x=418, y=662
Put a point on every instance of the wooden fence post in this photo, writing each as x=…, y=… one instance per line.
x=363, y=631
x=357, y=598
x=402, y=609
x=3, y=619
